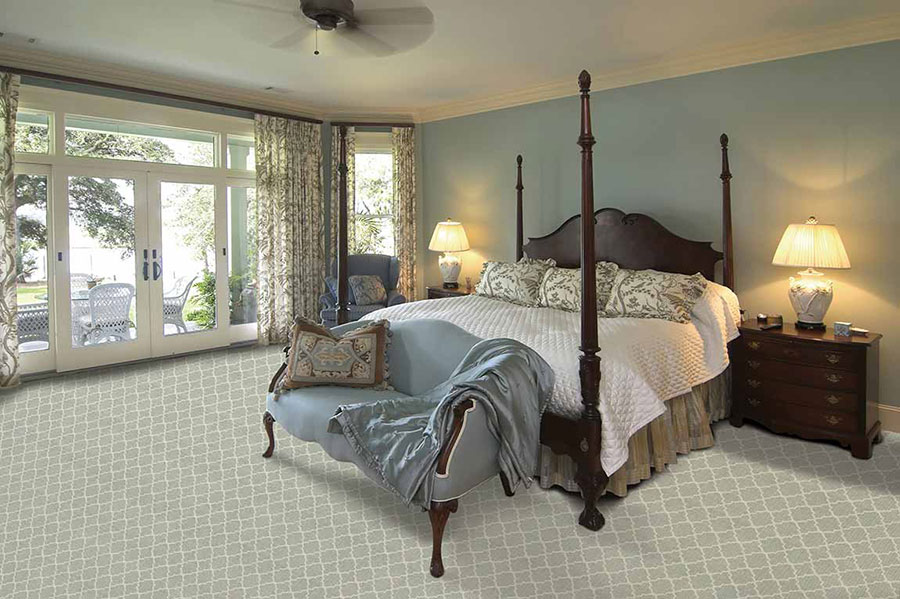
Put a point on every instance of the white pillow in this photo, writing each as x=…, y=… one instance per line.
x=561, y=287
x=655, y=294
x=515, y=282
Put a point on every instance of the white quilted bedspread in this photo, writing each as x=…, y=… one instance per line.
x=644, y=361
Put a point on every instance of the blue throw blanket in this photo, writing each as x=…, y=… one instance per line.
x=401, y=439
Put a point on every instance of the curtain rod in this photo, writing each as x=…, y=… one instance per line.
x=369, y=124
x=158, y=94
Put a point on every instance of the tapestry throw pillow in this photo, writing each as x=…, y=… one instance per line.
x=356, y=359
x=655, y=294
x=561, y=287
x=367, y=289
x=514, y=282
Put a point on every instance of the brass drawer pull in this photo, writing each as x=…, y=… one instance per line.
x=754, y=345
x=832, y=420
x=754, y=383
x=753, y=364
x=832, y=399
x=833, y=378
x=752, y=401
x=833, y=358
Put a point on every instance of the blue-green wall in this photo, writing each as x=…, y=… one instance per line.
x=817, y=134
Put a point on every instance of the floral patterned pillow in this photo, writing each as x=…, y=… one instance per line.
x=515, y=282
x=655, y=294
x=561, y=287
x=367, y=289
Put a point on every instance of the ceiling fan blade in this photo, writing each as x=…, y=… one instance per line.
x=257, y=6
x=367, y=42
x=291, y=39
x=415, y=15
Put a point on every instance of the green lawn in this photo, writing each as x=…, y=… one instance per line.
x=26, y=293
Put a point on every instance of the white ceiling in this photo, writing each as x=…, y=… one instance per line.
x=480, y=54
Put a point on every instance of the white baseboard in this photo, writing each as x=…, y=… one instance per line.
x=890, y=418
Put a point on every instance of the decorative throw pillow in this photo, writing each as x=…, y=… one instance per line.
x=606, y=276
x=333, y=288
x=561, y=287
x=515, y=282
x=655, y=294
x=367, y=289
x=356, y=359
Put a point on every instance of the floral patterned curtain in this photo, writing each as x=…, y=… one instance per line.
x=403, y=140
x=336, y=188
x=290, y=225
x=9, y=341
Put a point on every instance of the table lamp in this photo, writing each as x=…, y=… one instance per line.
x=449, y=236
x=812, y=246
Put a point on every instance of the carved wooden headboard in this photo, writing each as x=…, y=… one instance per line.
x=635, y=241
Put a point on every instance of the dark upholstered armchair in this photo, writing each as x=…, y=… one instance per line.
x=386, y=267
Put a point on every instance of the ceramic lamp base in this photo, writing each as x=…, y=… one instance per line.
x=811, y=297
x=450, y=266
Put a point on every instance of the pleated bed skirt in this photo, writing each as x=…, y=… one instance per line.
x=684, y=427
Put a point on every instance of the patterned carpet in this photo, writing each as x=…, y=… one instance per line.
x=147, y=481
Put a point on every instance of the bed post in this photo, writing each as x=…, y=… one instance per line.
x=589, y=476
x=727, y=235
x=519, y=188
x=343, y=312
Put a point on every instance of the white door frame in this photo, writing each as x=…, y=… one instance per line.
x=44, y=360
x=167, y=345
x=67, y=356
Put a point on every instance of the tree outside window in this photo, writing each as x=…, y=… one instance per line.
x=374, y=226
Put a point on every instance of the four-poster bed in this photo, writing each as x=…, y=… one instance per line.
x=633, y=241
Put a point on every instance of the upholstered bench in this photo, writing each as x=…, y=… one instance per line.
x=422, y=354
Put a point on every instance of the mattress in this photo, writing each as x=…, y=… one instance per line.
x=643, y=361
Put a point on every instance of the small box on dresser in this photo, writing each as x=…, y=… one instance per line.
x=808, y=383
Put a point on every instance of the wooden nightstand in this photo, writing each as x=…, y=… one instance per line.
x=808, y=383
x=439, y=292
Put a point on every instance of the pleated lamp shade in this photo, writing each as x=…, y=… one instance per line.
x=811, y=245
x=449, y=236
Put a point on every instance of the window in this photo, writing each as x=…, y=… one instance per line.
x=373, y=217
x=241, y=153
x=120, y=140
x=32, y=291
x=32, y=132
x=242, y=250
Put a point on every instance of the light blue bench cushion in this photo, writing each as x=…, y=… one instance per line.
x=422, y=354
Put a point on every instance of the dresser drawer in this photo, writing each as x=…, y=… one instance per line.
x=839, y=422
x=779, y=392
x=802, y=353
x=823, y=378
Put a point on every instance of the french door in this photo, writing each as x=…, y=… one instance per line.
x=140, y=265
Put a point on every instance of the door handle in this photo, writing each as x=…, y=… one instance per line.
x=146, y=266
x=157, y=269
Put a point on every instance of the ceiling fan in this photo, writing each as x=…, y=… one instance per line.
x=374, y=31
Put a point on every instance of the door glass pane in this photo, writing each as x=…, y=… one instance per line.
x=241, y=153
x=122, y=140
x=101, y=260
x=242, y=251
x=188, y=257
x=33, y=318
x=32, y=132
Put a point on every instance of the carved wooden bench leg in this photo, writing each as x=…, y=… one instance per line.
x=438, y=515
x=507, y=488
x=268, y=420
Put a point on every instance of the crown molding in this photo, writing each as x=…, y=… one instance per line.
x=823, y=39
x=106, y=72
